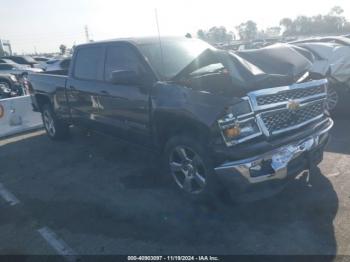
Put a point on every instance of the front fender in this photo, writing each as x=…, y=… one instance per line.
x=183, y=108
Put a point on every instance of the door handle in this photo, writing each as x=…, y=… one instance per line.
x=104, y=92
x=72, y=87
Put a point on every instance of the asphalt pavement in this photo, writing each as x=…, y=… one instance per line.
x=94, y=195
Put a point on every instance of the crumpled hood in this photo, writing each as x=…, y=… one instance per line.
x=273, y=66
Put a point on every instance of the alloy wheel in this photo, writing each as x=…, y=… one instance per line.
x=49, y=123
x=188, y=169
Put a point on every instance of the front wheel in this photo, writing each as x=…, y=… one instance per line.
x=55, y=128
x=190, y=167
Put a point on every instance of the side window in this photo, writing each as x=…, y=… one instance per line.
x=121, y=57
x=89, y=63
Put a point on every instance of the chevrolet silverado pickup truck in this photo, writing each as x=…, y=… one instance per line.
x=220, y=120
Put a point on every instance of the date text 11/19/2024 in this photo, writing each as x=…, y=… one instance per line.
x=173, y=258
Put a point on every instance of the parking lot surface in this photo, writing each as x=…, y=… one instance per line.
x=95, y=195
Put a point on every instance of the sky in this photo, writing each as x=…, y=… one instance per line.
x=42, y=25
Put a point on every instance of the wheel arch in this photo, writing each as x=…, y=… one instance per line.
x=167, y=125
x=42, y=100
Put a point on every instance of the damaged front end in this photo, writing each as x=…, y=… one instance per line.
x=276, y=164
x=265, y=110
x=276, y=114
x=274, y=111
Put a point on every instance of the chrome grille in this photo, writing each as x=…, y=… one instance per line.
x=284, y=96
x=280, y=109
x=282, y=120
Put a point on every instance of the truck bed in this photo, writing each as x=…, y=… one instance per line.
x=47, y=83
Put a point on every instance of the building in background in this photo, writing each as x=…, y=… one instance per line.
x=5, y=48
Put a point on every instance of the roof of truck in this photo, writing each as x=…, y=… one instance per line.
x=140, y=40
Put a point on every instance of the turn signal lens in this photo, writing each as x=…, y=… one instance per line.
x=232, y=132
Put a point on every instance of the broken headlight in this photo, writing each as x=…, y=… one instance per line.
x=239, y=124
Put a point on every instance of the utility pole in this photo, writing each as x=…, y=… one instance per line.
x=87, y=34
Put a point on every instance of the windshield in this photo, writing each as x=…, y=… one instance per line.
x=177, y=54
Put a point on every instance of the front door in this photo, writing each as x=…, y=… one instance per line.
x=125, y=107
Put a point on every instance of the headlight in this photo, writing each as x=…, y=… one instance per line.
x=239, y=125
x=238, y=131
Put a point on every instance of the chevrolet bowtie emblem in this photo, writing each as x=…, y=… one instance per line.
x=293, y=105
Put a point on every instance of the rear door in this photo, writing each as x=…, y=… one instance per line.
x=125, y=108
x=83, y=84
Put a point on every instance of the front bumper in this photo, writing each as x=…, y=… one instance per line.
x=277, y=165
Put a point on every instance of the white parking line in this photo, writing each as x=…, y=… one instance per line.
x=333, y=174
x=8, y=196
x=58, y=244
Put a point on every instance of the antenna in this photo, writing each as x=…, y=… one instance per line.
x=159, y=40
x=87, y=34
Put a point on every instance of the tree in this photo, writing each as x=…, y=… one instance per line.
x=63, y=49
x=201, y=34
x=248, y=30
x=215, y=35
x=331, y=23
x=303, y=25
x=218, y=35
x=287, y=25
x=336, y=10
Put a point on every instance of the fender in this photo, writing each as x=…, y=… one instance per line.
x=176, y=108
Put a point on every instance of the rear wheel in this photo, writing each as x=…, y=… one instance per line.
x=55, y=128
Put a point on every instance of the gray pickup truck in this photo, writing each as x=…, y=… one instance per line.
x=220, y=120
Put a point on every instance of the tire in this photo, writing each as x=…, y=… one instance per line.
x=55, y=128
x=332, y=99
x=4, y=85
x=190, y=169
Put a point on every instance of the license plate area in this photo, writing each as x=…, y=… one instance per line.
x=281, y=159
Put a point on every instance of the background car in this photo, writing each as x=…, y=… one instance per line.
x=58, y=64
x=23, y=60
x=17, y=70
x=333, y=60
x=9, y=61
x=341, y=40
x=10, y=86
x=41, y=59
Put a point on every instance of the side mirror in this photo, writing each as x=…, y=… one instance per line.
x=125, y=77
